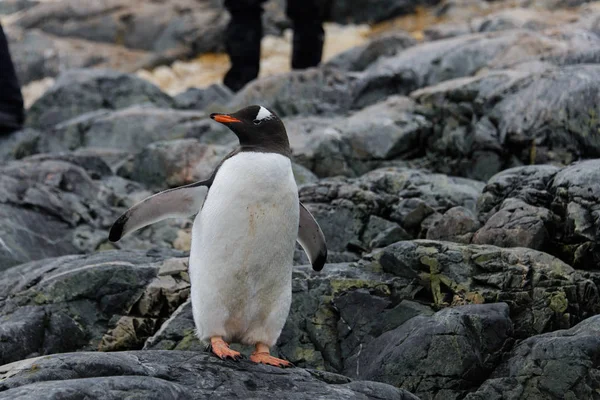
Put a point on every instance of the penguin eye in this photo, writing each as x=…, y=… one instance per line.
x=257, y=121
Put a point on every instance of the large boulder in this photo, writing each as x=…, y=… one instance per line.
x=80, y=91
x=388, y=132
x=151, y=26
x=543, y=293
x=439, y=356
x=561, y=364
x=106, y=301
x=513, y=117
x=177, y=375
x=37, y=55
x=312, y=91
x=130, y=129
x=49, y=208
x=431, y=63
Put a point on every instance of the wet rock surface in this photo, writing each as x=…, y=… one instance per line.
x=453, y=166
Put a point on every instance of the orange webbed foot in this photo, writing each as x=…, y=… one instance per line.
x=266, y=358
x=221, y=349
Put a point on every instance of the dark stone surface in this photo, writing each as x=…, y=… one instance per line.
x=175, y=375
x=80, y=91
x=561, y=364
x=437, y=356
x=543, y=293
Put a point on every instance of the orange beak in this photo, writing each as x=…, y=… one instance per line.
x=224, y=118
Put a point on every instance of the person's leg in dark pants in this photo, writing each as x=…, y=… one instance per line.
x=11, y=100
x=242, y=41
x=307, y=19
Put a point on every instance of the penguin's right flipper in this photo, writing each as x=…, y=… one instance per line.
x=312, y=240
x=180, y=202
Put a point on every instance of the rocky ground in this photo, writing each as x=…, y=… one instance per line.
x=452, y=160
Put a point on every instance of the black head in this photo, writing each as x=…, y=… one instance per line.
x=258, y=129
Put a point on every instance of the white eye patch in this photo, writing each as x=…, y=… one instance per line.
x=263, y=113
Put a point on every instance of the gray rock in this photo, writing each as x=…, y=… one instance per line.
x=87, y=302
x=527, y=183
x=456, y=225
x=547, y=208
x=442, y=356
x=166, y=164
x=516, y=224
x=216, y=95
x=577, y=198
x=543, y=293
x=431, y=63
x=359, y=58
x=344, y=207
x=176, y=375
x=561, y=364
x=37, y=55
x=507, y=118
x=158, y=27
x=131, y=129
x=46, y=207
x=80, y=91
x=361, y=11
x=12, y=6
x=313, y=91
x=388, y=132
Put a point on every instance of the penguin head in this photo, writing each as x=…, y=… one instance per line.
x=257, y=128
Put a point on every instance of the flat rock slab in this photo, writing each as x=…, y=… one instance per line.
x=175, y=375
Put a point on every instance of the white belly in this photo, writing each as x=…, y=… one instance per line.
x=243, y=243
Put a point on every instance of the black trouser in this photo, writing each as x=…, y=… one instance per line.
x=11, y=101
x=244, y=34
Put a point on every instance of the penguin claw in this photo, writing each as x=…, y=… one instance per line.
x=266, y=358
x=221, y=349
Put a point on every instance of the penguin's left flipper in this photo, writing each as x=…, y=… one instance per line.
x=312, y=240
x=180, y=202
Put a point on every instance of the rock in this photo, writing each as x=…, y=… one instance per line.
x=130, y=129
x=543, y=293
x=517, y=224
x=431, y=63
x=81, y=91
x=157, y=27
x=19, y=144
x=561, y=364
x=166, y=164
x=577, y=198
x=346, y=207
x=37, y=55
x=359, y=58
x=527, y=183
x=216, y=95
x=387, y=132
x=50, y=207
x=83, y=302
x=12, y=6
x=547, y=208
x=521, y=18
x=176, y=375
x=509, y=118
x=446, y=354
x=369, y=11
x=313, y=91
x=456, y=225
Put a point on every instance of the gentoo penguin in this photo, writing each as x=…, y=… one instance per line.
x=243, y=238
